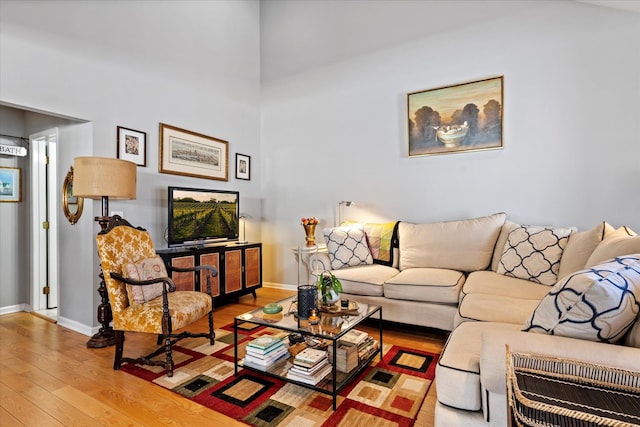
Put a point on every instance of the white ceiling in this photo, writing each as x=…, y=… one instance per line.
x=297, y=36
x=631, y=5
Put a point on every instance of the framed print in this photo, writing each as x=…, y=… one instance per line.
x=183, y=152
x=10, y=184
x=243, y=166
x=458, y=118
x=132, y=146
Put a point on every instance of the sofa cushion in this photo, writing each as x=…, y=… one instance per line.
x=490, y=283
x=632, y=338
x=347, y=246
x=458, y=370
x=597, y=304
x=580, y=247
x=502, y=239
x=494, y=308
x=425, y=284
x=146, y=269
x=622, y=241
x=458, y=245
x=382, y=238
x=533, y=253
x=365, y=279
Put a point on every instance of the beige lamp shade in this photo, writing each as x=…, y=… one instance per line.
x=97, y=177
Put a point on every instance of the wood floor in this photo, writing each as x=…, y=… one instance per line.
x=48, y=377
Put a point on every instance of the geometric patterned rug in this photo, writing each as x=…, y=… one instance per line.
x=389, y=392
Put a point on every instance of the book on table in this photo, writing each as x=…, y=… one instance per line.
x=354, y=337
x=264, y=343
x=311, y=379
x=265, y=352
x=311, y=370
x=268, y=362
x=309, y=357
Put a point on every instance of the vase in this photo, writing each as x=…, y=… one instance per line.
x=310, y=231
x=331, y=297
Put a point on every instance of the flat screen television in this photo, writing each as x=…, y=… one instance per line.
x=200, y=216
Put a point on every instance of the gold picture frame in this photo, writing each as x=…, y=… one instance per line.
x=187, y=153
x=457, y=118
x=10, y=184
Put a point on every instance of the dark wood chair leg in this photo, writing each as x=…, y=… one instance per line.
x=212, y=335
x=167, y=349
x=119, y=341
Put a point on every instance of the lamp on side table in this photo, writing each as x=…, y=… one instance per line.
x=104, y=178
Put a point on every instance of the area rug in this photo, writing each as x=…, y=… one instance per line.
x=389, y=392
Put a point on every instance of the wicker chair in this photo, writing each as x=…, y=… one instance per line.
x=143, y=297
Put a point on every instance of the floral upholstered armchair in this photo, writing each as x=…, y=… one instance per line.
x=143, y=297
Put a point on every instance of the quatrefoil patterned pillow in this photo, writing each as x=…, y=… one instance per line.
x=533, y=253
x=598, y=304
x=347, y=247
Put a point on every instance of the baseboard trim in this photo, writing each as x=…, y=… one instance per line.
x=14, y=308
x=279, y=286
x=77, y=326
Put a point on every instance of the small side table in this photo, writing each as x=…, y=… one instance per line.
x=543, y=390
x=307, y=257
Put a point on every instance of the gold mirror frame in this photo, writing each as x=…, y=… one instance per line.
x=71, y=205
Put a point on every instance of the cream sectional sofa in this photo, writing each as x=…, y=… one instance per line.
x=459, y=276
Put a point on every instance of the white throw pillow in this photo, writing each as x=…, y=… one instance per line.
x=598, y=304
x=347, y=247
x=533, y=253
x=622, y=241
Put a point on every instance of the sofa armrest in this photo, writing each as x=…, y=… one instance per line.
x=493, y=365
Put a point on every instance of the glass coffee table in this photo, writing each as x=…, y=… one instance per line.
x=331, y=328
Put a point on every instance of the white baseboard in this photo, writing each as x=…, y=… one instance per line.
x=14, y=308
x=77, y=327
x=279, y=286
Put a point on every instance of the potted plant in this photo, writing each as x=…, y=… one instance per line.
x=329, y=288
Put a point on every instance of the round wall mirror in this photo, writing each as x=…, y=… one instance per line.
x=71, y=205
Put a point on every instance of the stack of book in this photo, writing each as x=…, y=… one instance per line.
x=310, y=366
x=265, y=352
x=365, y=344
x=346, y=357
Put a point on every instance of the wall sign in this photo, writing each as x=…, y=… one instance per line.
x=13, y=150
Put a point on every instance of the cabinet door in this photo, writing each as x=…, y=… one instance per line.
x=252, y=267
x=183, y=281
x=232, y=271
x=214, y=260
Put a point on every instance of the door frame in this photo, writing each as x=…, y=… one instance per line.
x=44, y=197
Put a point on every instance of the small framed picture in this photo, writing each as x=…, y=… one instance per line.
x=10, y=184
x=132, y=146
x=243, y=166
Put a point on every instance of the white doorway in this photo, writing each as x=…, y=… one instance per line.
x=44, y=232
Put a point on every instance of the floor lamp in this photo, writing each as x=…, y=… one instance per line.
x=103, y=178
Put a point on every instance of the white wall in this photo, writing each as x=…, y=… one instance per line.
x=191, y=64
x=337, y=131
x=12, y=270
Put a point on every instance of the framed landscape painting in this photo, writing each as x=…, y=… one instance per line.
x=10, y=184
x=457, y=118
x=183, y=152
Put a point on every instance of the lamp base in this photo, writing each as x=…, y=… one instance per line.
x=102, y=339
